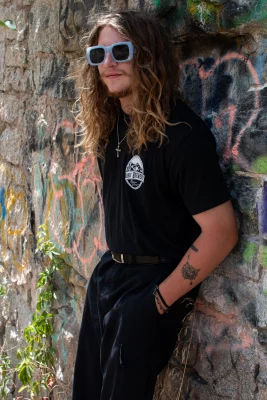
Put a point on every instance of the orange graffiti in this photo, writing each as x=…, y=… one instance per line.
x=244, y=338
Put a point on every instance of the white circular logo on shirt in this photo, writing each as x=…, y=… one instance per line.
x=134, y=173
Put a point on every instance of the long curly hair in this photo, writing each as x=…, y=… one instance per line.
x=155, y=84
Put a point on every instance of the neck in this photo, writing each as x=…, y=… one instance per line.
x=127, y=104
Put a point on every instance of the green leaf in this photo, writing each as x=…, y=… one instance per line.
x=2, y=290
x=36, y=388
x=19, y=354
x=4, y=389
x=44, y=386
x=23, y=388
x=22, y=374
x=10, y=24
x=52, y=349
x=29, y=371
x=2, y=24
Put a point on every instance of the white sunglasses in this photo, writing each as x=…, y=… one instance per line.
x=120, y=52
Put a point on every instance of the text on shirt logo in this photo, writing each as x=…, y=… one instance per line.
x=134, y=173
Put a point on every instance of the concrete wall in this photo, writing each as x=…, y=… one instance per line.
x=43, y=179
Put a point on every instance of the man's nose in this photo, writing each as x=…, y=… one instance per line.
x=109, y=60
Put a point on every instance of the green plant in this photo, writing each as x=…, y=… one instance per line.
x=37, y=358
x=5, y=373
x=8, y=24
x=36, y=367
x=2, y=290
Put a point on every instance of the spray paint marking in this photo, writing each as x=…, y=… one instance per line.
x=230, y=110
x=73, y=199
x=245, y=338
x=2, y=204
x=14, y=204
x=78, y=182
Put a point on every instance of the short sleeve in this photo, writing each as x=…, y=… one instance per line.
x=195, y=172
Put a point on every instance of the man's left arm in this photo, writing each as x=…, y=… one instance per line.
x=218, y=237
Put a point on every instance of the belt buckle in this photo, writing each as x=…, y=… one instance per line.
x=121, y=261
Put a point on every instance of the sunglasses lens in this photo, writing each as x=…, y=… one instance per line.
x=121, y=52
x=97, y=55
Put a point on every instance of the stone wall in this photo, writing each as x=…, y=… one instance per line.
x=44, y=179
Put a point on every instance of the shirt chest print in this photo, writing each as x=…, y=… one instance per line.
x=134, y=173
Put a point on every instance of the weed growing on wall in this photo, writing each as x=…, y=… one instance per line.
x=36, y=367
x=6, y=372
x=2, y=290
x=5, y=363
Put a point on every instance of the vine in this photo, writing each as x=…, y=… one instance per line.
x=36, y=367
x=5, y=363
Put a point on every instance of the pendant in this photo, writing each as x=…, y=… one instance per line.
x=118, y=151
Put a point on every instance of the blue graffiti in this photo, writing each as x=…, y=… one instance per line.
x=2, y=203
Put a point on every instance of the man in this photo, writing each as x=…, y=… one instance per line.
x=168, y=216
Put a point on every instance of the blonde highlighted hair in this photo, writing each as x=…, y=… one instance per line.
x=155, y=84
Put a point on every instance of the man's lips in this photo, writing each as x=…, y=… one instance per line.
x=113, y=75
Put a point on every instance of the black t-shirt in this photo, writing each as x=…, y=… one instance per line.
x=149, y=199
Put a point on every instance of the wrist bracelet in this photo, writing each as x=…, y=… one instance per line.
x=160, y=306
x=156, y=293
x=164, y=310
x=161, y=298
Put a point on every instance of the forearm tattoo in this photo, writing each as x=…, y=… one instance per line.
x=194, y=248
x=189, y=272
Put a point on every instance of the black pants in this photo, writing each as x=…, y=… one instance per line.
x=124, y=342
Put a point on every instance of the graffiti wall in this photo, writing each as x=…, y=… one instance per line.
x=46, y=179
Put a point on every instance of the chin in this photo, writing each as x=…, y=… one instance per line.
x=118, y=94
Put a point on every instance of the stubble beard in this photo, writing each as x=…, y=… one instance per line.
x=117, y=95
x=121, y=94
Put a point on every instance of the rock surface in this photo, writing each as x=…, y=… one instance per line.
x=44, y=179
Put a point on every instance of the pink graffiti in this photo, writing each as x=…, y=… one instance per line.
x=83, y=175
x=230, y=110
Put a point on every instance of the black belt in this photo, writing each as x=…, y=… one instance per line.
x=132, y=259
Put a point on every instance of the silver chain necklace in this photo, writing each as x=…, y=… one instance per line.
x=119, y=142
